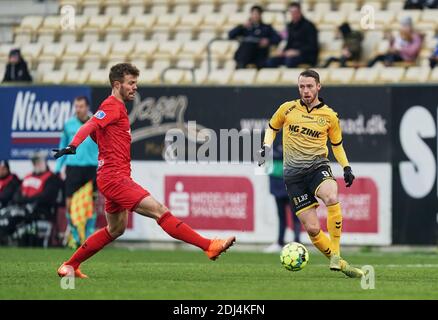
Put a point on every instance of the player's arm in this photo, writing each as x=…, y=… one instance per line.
x=104, y=116
x=335, y=135
x=274, y=125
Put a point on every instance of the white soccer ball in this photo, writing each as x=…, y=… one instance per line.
x=294, y=256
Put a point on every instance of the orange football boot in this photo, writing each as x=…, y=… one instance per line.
x=217, y=246
x=64, y=271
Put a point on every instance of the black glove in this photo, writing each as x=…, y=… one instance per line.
x=262, y=153
x=60, y=152
x=348, y=176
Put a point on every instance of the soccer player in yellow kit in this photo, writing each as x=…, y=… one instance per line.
x=307, y=123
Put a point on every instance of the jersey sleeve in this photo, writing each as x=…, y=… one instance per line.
x=335, y=132
x=277, y=120
x=106, y=115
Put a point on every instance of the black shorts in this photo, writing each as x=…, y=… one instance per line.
x=77, y=176
x=302, y=193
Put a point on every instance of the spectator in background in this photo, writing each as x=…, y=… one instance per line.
x=405, y=47
x=256, y=38
x=80, y=170
x=9, y=183
x=276, y=186
x=420, y=4
x=39, y=189
x=16, y=69
x=302, y=42
x=434, y=57
x=351, y=48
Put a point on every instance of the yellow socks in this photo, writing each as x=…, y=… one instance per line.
x=334, y=226
x=322, y=242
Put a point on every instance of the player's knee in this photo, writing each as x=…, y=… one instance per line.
x=117, y=231
x=312, y=230
x=330, y=199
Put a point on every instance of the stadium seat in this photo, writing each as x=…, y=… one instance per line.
x=175, y=76
x=200, y=76
x=92, y=8
x=115, y=7
x=119, y=28
x=434, y=75
x=97, y=52
x=430, y=15
x=26, y=32
x=347, y=7
x=220, y=77
x=141, y=27
x=99, y=76
x=417, y=75
x=95, y=28
x=169, y=49
x=136, y=8
x=54, y=77
x=72, y=55
x=391, y=74
x=50, y=29
x=183, y=8
x=205, y=7
x=243, y=77
x=289, y=76
x=395, y=6
x=268, y=76
x=366, y=75
x=5, y=48
x=229, y=7
x=121, y=50
x=160, y=64
x=159, y=7
x=149, y=76
x=341, y=75
x=31, y=51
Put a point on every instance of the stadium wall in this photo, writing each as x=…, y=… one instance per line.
x=389, y=136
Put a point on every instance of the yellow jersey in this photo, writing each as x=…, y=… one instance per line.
x=305, y=134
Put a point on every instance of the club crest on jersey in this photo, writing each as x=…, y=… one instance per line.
x=100, y=115
x=322, y=121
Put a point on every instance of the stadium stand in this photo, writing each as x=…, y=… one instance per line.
x=191, y=34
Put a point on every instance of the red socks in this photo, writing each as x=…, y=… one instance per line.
x=92, y=245
x=181, y=231
x=172, y=225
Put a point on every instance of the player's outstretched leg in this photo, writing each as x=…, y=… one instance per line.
x=116, y=226
x=177, y=229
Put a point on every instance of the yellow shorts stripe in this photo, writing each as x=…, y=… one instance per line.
x=316, y=204
x=319, y=185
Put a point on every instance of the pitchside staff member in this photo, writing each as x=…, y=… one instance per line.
x=82, y=167
x=306, y=124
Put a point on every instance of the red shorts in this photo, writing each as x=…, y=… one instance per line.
x=121, y=194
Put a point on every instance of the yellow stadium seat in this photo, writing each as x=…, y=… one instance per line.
x=99, y=76
x=31, y=51
x=174, y=76
x=144, y=49
x=72, y=55
x=119, y=28
x=220, y=77
x=416, y=75
x=341, y=75
x=92, y=7
x=268, y=76
x=434, y=75
x=366, y=75
x=290, y=76
x=391, y=74
x=149, y=76
x=54, y=77
x=243, y=76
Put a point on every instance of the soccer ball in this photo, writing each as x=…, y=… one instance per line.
x=294, y=256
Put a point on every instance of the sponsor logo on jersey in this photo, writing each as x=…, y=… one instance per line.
x=100, y=115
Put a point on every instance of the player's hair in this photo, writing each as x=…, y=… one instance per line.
x=79, y=98
x=118, y=72
x=295, y=4
x=257, y=8
x=310, y=74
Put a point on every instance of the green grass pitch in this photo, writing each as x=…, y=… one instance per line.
x=181, y=274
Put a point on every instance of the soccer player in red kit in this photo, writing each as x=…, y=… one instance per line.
x=111, y=130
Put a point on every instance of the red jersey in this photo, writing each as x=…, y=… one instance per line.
x=111, y=130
